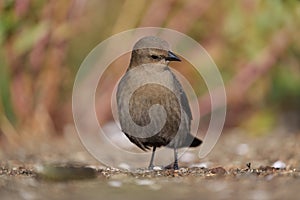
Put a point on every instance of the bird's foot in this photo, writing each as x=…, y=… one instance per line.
x=150, y=167
x=175, y=166
x=172, y=166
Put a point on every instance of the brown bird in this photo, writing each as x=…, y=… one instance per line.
x=153, y=108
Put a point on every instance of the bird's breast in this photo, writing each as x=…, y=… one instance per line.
x=146, y=74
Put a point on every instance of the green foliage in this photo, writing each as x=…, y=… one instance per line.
x=285, y=87
x=29, y=37
x=5, y=97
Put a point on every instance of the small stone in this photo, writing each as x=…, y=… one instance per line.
x=157, y=168
x=218, y=171
x=201, y=165
x=266, y=168
x=279, y=165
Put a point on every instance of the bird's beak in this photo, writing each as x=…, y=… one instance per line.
x=172, y=57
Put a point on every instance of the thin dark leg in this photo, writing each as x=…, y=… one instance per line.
x=175, y=167
x=152, y=158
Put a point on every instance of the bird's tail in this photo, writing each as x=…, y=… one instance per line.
x=191, y=141
x=196, y=142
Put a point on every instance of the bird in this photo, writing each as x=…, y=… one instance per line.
x=149, y=81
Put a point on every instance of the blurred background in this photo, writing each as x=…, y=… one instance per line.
x=254, y=43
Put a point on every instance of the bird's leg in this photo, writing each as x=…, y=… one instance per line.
x=152, y=158
x=175, y=166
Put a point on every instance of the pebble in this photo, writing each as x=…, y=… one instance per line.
x=279, y=164
x=157, y=168
x=218, y=171
x=201, y=165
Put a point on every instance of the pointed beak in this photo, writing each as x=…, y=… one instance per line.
x=172, y=57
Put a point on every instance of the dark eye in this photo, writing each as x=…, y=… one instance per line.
x=154, y=57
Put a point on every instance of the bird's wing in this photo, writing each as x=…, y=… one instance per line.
x=183, y=98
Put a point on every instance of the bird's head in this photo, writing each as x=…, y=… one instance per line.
x=151, y=49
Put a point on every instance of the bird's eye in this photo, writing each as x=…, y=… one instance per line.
x=154, y=57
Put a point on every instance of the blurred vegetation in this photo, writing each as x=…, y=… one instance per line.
x=254, y=43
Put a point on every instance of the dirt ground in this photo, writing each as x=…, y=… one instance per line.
x=239, y=167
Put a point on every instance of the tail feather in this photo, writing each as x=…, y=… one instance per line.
x=191, y=141
x=196, y=142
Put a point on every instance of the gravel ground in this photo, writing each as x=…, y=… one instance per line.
x=239, y=167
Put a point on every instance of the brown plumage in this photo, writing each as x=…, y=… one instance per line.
x=151, y=82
